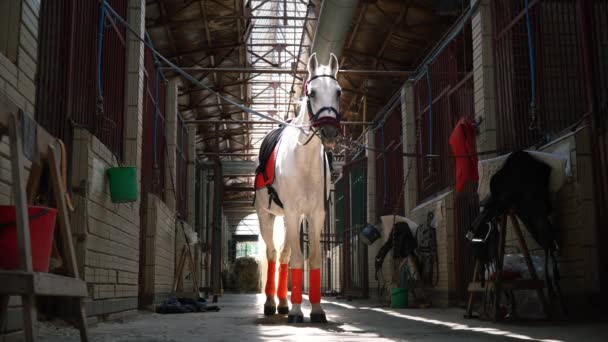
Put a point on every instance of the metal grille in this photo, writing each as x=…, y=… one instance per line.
x=331, y=258
x=354, y=257
x=182, y=168
x=67, y=90
x=389, y=166
x=449, y=79
x=154, y=148
x=559, y=80
x=53, y=91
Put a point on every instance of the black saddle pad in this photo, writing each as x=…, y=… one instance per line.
x=268, y=145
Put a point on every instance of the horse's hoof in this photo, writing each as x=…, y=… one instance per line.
x=283, y=310
x=269, y=310
x=295, y=319
x=318, y=318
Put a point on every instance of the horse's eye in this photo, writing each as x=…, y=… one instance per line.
x=339, y=93
x=312, y=93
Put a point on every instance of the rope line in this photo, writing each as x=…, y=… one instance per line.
x=189, y=77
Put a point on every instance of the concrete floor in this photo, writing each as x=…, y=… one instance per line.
x=240, y=319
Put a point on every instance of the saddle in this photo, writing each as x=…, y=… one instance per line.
x=264, y=173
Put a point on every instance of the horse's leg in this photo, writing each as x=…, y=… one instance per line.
x=283, y=307
x=292, y=224
x=317, y=315
x=266, y=229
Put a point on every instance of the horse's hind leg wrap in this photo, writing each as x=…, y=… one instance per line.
x=296, y=285
x=282, y=289
x=270, y=278
x=315, y=286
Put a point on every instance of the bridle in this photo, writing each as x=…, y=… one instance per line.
x=314, y=117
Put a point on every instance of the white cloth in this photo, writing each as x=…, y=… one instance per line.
x=559, y=163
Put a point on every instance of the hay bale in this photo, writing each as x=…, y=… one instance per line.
x=245, y=275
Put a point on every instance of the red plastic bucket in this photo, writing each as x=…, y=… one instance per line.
x=42, y=226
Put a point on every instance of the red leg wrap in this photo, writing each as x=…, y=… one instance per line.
x=282, y=290
x=314, y=294
x=270, y=279
x=296, y=286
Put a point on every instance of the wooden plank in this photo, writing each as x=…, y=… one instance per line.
x=533, y=275
x=469, y=313
x=48, y=284
x=40, y=283
x=62, y=211
x=520, y=284
x=82, y=321
x=30, y=325
x=23, y=222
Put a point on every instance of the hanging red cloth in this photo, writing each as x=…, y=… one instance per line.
x=462, y=141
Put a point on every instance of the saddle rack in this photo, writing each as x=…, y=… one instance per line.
x=497, y=285
x=25, y=282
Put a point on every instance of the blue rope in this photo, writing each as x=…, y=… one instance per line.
x=102, y=18
x=430, y=90
x=531, y=55
x=156, y=115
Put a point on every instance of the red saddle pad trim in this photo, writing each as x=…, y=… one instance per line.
x=260, y=182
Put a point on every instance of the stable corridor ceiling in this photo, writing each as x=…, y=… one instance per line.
x=248, y=50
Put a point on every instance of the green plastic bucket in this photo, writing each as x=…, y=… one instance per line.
x=399, y=298
x=123, y=184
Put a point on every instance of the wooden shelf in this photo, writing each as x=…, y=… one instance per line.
x=40, y=283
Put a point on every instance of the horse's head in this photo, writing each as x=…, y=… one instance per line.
x=323, y=99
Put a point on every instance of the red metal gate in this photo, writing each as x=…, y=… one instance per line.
x=154, y=149
x=555, y=73
x=354, y=252
x=389, y=166
x=67, y=71
x=443, y=94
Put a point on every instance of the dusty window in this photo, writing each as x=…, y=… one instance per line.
x=10, y=12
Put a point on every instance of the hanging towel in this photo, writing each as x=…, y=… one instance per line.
x=462, y=141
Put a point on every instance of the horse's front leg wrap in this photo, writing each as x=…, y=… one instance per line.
x=270, y=278
x=315, y=286
x=296, y=286
x=282, y=289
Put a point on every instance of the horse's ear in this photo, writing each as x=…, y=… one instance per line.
x=312, y=63
x=334, y=65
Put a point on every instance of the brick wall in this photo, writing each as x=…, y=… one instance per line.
x=17, y=79
x=107, y=234
x=159, y=258
x=442, y=207
x=483, y=75
x=180, y=242
x=17, y=84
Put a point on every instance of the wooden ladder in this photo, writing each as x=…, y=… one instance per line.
x=25, y=282
x=498, y=285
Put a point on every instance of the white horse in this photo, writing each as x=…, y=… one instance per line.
x=300, y=171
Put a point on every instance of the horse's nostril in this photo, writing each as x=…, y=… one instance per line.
x=329, y=132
